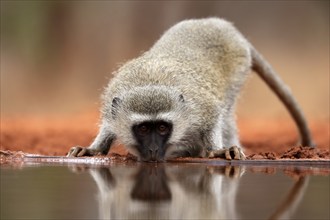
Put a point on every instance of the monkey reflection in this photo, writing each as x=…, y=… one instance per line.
x=151, y=185
x=292, y=199
x=158, y=191
x=185, y=191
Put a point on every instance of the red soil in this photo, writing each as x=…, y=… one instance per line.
x=53, y=136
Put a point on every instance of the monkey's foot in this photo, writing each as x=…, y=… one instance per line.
x=82, y=151
x=231, y=153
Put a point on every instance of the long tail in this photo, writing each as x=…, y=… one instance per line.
x=266, y=72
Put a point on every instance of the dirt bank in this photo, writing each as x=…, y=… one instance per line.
x=53, y=136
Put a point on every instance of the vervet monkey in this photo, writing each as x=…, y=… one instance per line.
x=178, y=98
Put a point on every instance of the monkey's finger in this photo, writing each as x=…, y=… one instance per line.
x=211, y=154
x=227, y=154
x=74, y=151
x=70, y=152
x=83, y=152
x=243, y=157
x=237, y=153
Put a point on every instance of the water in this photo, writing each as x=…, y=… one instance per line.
x=164, y=191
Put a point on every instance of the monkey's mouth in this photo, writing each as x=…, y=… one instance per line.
x=152, y=159
x=152, y=156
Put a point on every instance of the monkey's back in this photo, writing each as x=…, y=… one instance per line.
x=214, y=55
x=207, y=60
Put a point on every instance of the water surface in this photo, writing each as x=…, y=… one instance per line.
x=164, y=191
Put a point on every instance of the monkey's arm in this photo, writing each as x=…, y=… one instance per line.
x=100, y=146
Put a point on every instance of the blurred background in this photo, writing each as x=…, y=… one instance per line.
x=56, y=56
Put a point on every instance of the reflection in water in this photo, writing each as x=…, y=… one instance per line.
x=292, y=200
x=158, y=191
x=151, y=185
x=164, y=191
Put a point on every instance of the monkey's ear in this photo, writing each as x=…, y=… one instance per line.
x=181, y=99
x=114, y=106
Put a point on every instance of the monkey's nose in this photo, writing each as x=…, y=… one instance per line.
x=153, y=154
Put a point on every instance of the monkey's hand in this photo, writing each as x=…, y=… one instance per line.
x=231, y=153
x=78, y=151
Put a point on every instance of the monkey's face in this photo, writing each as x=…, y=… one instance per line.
x=150, y=121
x=151, y=138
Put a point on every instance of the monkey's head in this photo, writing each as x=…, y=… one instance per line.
x=150, y=120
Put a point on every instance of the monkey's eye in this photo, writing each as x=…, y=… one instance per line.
x=143, y=130
x=163, y=129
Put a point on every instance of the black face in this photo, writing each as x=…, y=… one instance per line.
x=152, y=137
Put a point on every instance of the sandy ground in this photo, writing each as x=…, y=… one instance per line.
x=53, y=136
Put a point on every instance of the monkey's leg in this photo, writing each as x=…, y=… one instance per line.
x=100, y=145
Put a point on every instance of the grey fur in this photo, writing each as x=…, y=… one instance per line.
x=204, y=60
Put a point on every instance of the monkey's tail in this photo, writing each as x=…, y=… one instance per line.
x=266, y=72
